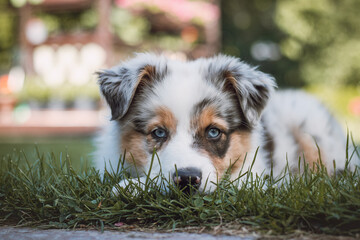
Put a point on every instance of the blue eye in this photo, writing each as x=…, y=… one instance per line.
x=159, y=133
x=213, y=133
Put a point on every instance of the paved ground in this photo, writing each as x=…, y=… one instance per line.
x=11, y=233
x=24, y=233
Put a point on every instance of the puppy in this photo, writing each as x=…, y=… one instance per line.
x=208, y=117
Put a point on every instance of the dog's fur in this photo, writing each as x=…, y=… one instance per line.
x=187, y=99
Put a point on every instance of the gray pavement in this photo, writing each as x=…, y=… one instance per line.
x=17, y=233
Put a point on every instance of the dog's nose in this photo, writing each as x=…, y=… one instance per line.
x=184, y=177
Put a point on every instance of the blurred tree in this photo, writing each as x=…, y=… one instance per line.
x=324, y=37
x=129, y=28
x=250, y=32
x=8, y=35
x=318, y=41
x=63, y=21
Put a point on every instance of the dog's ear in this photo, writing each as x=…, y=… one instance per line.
x=251, y=86
x=119, y=84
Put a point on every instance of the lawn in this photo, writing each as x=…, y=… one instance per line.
x=78, y=148
x=47, y=190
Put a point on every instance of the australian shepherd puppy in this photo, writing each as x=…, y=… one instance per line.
x=207, y=116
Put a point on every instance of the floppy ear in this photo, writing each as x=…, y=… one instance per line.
x=252, y=87
x=119, y=84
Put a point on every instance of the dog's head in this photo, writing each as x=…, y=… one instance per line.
x=198, y=115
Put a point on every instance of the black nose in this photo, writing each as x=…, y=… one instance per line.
x=186, y=177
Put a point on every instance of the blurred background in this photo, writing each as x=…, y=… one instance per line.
x=50, y=49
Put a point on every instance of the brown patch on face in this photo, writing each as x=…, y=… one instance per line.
x=141, y=144
x=206, y=118
x=133, y=142
x=228, y=150
x=307, y=147
x=239, y=146
x=201, y=123
x=163, y=118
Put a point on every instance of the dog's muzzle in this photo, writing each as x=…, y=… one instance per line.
x=187, y=178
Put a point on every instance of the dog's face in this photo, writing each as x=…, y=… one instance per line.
x=197, y=115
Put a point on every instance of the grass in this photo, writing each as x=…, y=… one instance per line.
x=46, y=191
x=77, y=147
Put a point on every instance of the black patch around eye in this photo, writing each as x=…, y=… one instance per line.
x=216, y=148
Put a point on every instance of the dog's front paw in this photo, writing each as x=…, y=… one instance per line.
x=137, y=185
x=123, y=184
x=132, y=185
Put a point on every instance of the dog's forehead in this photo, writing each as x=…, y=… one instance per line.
x=183, y=88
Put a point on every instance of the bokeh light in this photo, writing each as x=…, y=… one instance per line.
x=36, y=31
x=16, y=79
x=22, y=113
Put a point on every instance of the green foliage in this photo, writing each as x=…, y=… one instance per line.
x=318, y=40
x=36, y=89
x=50, y=193
x=65, y=22
x=247, y=22
x=8, y=23
x=324, y=37
x=336, y=98
x=21, y=3
x=169, y=42
x=6, y=19
x=129, y=28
